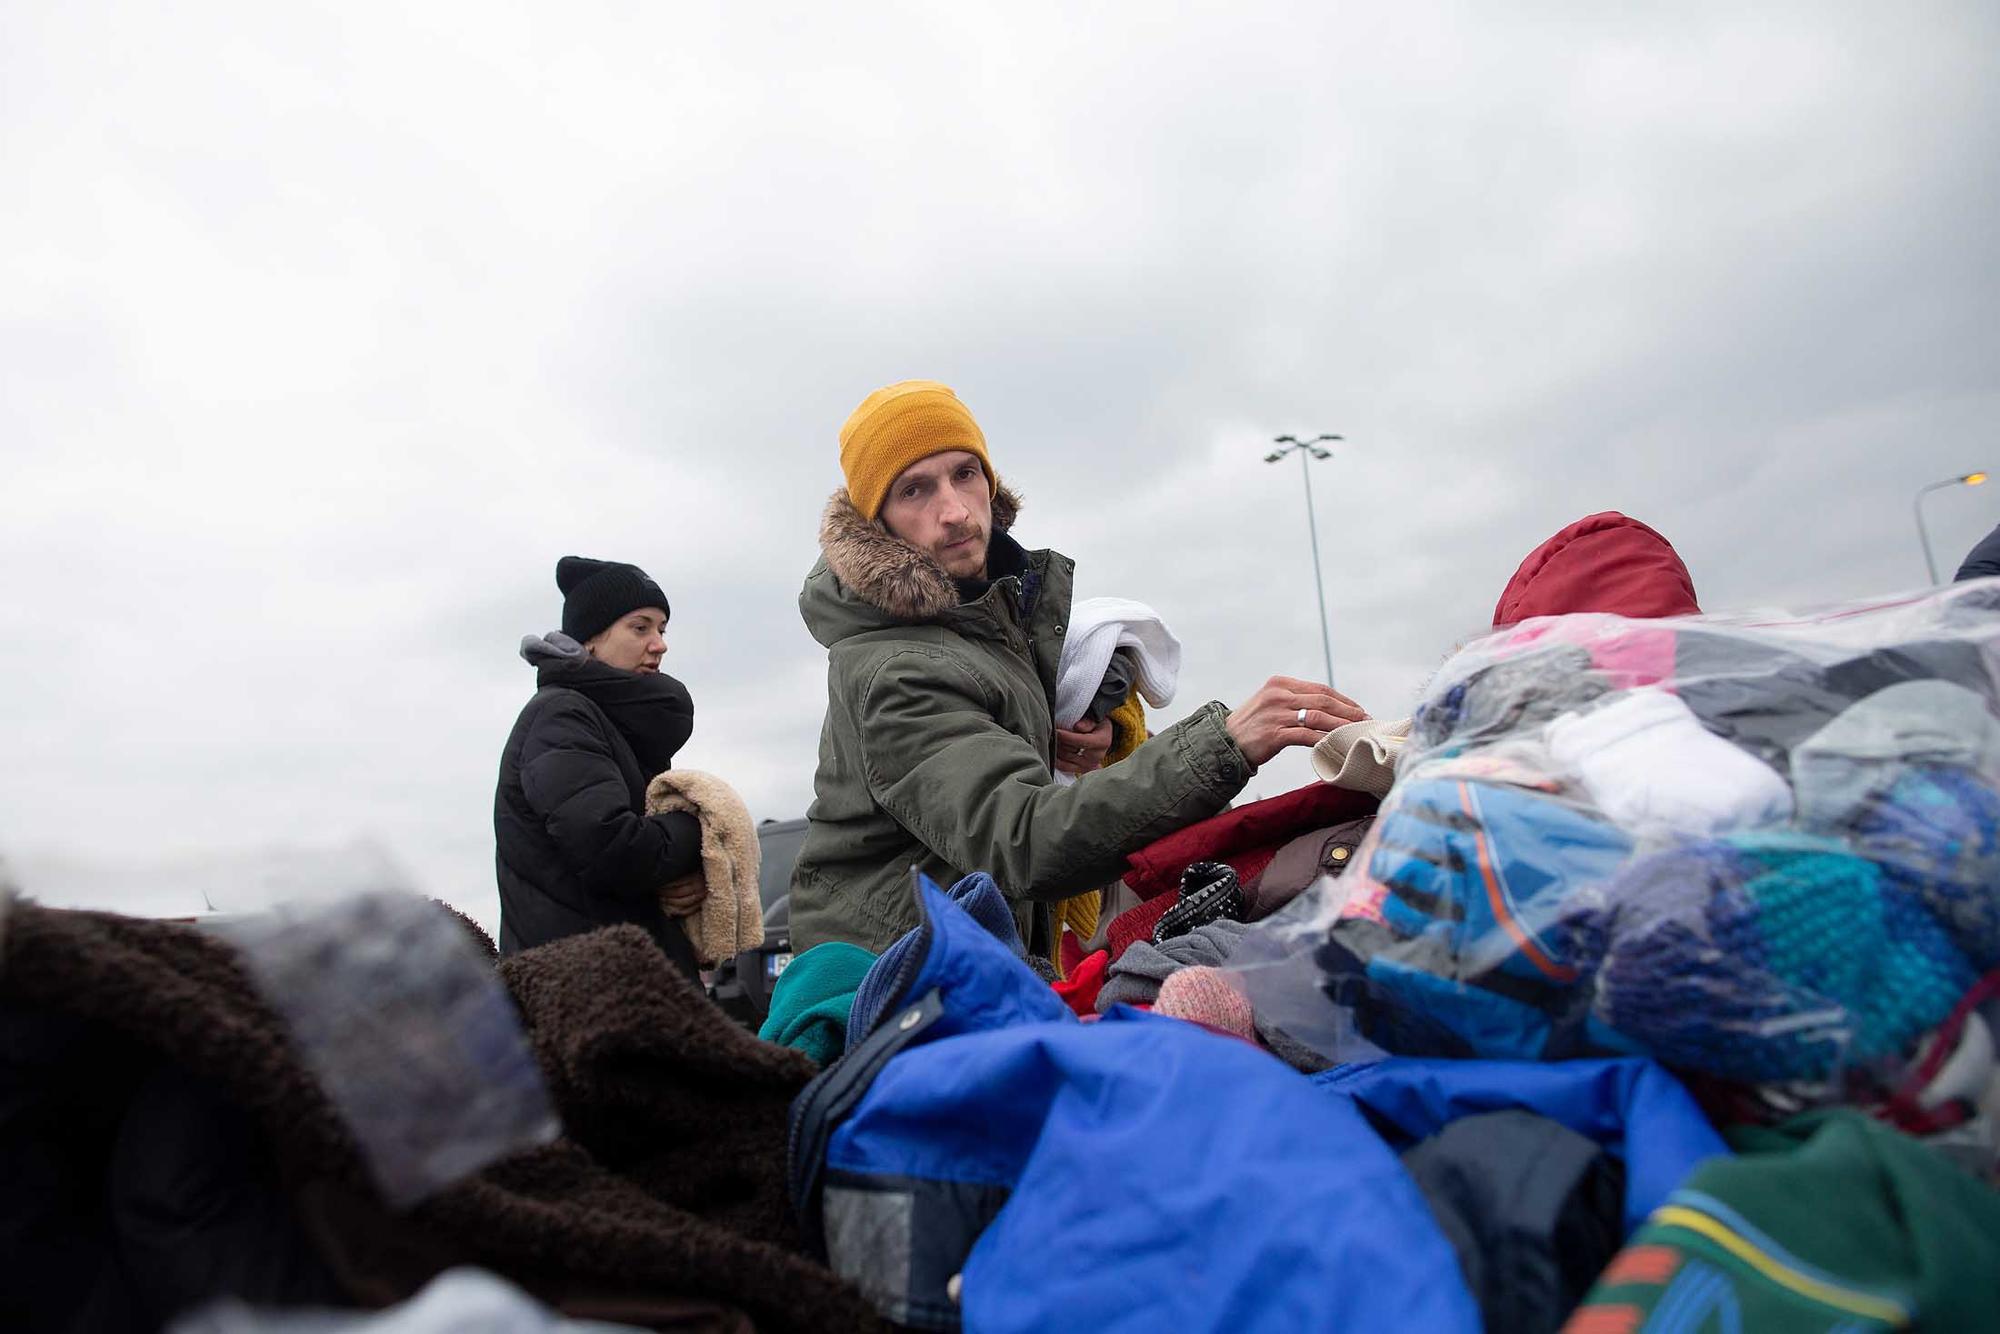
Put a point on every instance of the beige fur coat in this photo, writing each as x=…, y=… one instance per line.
x=731, y=918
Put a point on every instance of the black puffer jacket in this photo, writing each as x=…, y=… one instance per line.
x=574, y=848
x=1983, y=560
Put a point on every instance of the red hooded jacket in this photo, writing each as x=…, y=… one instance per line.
x=1606, y=562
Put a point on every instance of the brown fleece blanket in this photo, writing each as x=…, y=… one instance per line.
x=664, y=1203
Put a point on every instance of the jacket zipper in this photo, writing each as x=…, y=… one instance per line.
x=899, y=987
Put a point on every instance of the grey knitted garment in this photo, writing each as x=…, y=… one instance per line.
x=1137, y=975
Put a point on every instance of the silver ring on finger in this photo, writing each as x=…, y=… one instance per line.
x=1302, y=717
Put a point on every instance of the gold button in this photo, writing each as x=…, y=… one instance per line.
x=1340, y=854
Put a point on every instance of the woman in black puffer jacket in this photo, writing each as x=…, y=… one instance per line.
x=575, y=847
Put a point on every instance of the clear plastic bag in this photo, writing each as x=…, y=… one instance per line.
x=1763, y=848
x=406, y=1027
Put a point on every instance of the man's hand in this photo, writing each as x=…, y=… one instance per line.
x=683, y=898
x=1269, y=720
x=1082, y=748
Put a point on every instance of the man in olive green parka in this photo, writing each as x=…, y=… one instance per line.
x=943, y=635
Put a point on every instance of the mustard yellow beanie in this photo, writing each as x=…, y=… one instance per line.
x=895, y=427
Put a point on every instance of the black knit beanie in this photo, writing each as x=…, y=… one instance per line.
x=597, y=592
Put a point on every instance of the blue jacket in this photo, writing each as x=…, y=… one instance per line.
x=1634, y=1108
x=1141, y=1172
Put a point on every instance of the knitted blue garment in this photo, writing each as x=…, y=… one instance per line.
x=1667, y=984
x=1771, y=957
x=1829, y=925
x=1935, y=832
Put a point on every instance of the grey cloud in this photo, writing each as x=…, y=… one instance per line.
x=327, y=331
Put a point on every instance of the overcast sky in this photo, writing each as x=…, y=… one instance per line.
x=326, y=329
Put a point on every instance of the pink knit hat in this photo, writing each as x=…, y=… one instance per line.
x=1206, y=996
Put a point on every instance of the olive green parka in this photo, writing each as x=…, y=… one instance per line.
x=937, y=751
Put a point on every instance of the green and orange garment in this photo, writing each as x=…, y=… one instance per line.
x=1829, y=1223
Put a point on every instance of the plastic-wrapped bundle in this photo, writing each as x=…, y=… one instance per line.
x=1770, y=957
x=408, y=1030
x=1506, y=698
x=1457, y=934
x=1905, y=775
x=1935, y=832
x=1763, y=848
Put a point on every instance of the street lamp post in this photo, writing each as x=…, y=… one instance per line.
x=1308, y=450
x=1923, y=535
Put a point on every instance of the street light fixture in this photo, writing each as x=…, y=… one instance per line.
x=1923, y=536
x=1308, y=450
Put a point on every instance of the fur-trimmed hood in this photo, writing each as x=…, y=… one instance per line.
x=867, y=577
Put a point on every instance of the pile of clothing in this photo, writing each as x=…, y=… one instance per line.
x=1658, y=992
x=175, y=1127
x=982, y=1157
x=1764, y=853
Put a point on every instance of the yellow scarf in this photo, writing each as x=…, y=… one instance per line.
x=1081, y=913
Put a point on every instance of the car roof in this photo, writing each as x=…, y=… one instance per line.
x=779, y=841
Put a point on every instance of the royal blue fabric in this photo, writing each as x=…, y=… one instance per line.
x=1202, y=1179
x=1634, y=1108
x=982, y=978
x=1439, y=840
x=982, y=906
x=1482, y=902
x=1475, y=1019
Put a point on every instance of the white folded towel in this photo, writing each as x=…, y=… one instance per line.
x=1099, y=627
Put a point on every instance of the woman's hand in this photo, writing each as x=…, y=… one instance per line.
x=1271, y=719
x=684, y=898
x=1082, y=748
